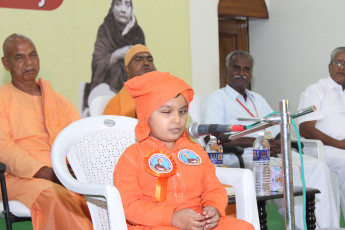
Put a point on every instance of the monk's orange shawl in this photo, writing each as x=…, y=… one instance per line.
x=122, y=104
x=27, y=135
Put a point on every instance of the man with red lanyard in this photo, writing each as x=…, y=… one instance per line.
x=225, y=105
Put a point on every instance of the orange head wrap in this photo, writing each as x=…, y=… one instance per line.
x=138, y=48
x=152, y=90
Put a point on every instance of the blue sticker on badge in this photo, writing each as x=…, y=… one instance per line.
x=159, y=163
x=189, y=157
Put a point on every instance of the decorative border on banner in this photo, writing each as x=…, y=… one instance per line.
x=31, y=4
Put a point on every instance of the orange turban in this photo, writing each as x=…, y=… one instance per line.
x=133, y=51
x=152, y=90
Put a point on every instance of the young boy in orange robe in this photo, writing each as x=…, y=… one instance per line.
x=180, y=193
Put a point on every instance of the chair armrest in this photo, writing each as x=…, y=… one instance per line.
x=319, y=153
x=237, y=151
x=294, y=144
x=109, y=192
x=243, y=182
x=233, y=149
x=2, y=167
x=6, y=211
x=3, y=188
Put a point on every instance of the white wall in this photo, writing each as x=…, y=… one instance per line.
x=204, y=45
x=292, y=48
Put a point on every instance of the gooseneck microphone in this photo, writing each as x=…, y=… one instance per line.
x=196, y=130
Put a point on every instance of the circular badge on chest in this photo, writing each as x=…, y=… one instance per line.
x=189, y=157
x=159, y=163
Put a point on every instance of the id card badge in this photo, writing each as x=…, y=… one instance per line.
x=268, y=135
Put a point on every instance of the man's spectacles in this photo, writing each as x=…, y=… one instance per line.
x=339, y=63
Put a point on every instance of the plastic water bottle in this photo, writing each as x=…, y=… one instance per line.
x=261, y=165
x=215, y=152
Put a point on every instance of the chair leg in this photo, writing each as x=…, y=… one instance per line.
x=5, y=202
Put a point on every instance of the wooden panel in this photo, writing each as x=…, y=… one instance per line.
x=232, y=36
x=246, y=8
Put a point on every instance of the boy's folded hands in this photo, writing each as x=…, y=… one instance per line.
x=189, y=219
x=212, y=217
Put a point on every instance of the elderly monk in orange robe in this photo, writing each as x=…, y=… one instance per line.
x=138, y=60
x=31, y=116
x=187, y=195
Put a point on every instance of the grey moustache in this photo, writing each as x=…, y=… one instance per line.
x=240, y=77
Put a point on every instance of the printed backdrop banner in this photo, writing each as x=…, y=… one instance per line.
x=65, y=37
x=31, y=4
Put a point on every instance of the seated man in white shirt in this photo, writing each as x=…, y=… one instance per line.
x=225, y=105
x=327, y=123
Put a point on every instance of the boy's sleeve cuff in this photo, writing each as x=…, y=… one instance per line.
x=167, y=215
x=220, y=208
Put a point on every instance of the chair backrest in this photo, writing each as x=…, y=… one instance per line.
x=93, y=146
x=196, y=109
x=98, y=104
x=81, y=96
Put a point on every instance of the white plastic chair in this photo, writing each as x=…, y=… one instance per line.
x=17, y=208
x=99, y=98
x=196, y=108
x=93, y=145
x=99, y=103
x=315, y=148
x=13, y=211
x=243, y=182
x=16, y=212
x=81, y=96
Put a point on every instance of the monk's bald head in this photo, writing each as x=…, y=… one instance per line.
x=12, y=40
x=21, y=60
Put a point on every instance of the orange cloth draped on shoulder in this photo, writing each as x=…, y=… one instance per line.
x=191, y=187
x=29, y=125
x=121, y=104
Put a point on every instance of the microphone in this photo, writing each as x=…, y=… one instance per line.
x=195, y=129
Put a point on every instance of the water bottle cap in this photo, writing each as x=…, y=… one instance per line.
x=213, y=138
x=261, y=133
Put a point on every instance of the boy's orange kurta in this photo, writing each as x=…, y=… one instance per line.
x=121, y=104
x=29, y=126
x=191, y=187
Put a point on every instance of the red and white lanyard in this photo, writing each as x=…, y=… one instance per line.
x=247, y=108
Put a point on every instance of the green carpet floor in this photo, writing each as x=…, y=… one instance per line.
x=274, y=221
x=26, y=225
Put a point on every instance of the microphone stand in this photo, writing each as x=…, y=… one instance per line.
x=285, y=121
